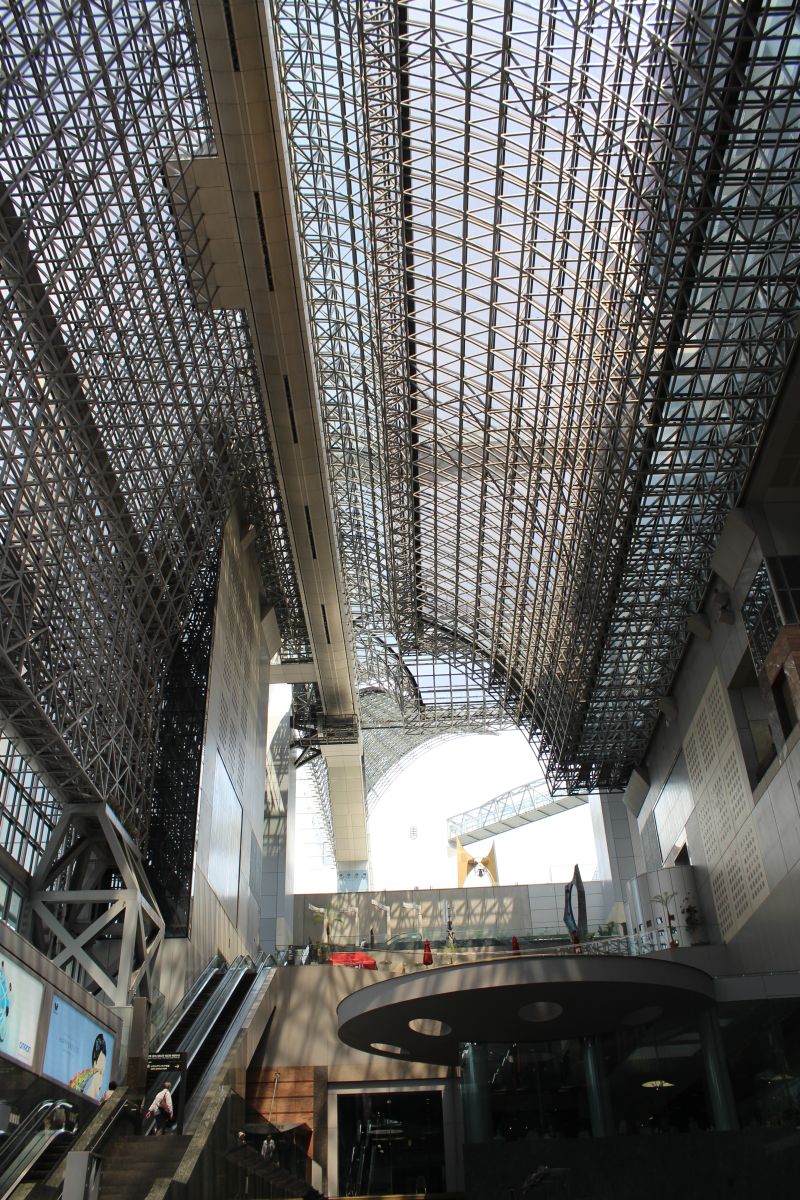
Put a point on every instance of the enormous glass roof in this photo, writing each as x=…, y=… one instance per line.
x=551, y=262
x=551, y=258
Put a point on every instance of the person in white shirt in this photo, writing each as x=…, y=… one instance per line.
x=162, y=1110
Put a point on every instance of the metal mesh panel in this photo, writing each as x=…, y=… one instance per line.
x=577, y=227
x=130, y=414
x=176, y=790
x=761, y=616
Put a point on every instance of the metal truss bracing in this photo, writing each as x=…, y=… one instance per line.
x=131, y=416
x=510, y=810
x=319, y=774
x=92, y=910
x=551, y=264
x=390, y=745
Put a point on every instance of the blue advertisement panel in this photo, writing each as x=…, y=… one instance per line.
x=20, y=1006
x=79, y=1051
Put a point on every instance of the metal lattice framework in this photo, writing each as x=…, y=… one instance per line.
x=131, y=415
x=391, y=745
x=176, y=781
x=510, y=810
x=551, y=259
x=92, y=908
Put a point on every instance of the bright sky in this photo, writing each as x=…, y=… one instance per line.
x=408, y=827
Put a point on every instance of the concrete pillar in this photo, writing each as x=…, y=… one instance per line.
x=616, y=837
x=344, y=761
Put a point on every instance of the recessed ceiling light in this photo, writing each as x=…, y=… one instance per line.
x=657, y=1083
x=388, y=1048
x=429, y=1026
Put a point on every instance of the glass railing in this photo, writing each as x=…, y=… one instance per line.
x=388, y=959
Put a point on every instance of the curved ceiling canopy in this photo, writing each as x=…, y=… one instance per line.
x=551, y=263
x=428, y=1015
x=391, y=745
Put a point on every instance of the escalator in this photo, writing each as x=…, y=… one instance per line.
x=37, y=1144
x=170, y=1037
x=203, y=1033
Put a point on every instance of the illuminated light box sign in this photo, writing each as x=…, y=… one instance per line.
x=79, y=1052
x=20, y=1006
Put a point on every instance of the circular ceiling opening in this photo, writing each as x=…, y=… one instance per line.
x=388, y=1048
x=429, y=1027
x=643, y=1016
x=541, y=1010
x=657, y=1084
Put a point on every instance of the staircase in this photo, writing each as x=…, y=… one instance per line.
x=132, y=1164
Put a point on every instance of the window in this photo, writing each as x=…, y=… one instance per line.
x=10, y=904
x=756, y=725
x=28, y=811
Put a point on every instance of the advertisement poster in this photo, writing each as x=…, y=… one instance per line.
x=20, y=1006
x=79, y=1051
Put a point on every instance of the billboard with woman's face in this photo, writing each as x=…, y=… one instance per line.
x=79, y=1052
x=20, y=1007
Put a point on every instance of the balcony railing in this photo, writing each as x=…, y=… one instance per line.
x=392, y=961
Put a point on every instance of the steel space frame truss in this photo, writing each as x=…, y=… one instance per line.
x=510, y=810
x=92, y=909
x=131, y=413
x=551, y=257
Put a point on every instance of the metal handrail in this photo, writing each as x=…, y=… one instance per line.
x=650, y=941
x=210, y=1013
x=28, y=1124
x=201, y=1027
x=216, y=964
x=261, y=967
x=28, y=1143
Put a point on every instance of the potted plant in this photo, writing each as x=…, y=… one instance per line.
x=692, y=919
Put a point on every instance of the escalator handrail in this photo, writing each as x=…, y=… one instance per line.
x=201, y=1027
x=28, y=1125
x=28, y=1154
x=234, y=1025
x=211, y=1012
x=216, y=964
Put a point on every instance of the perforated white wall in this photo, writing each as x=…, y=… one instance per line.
x=724, y=805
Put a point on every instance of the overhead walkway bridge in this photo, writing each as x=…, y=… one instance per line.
x=510, y=810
